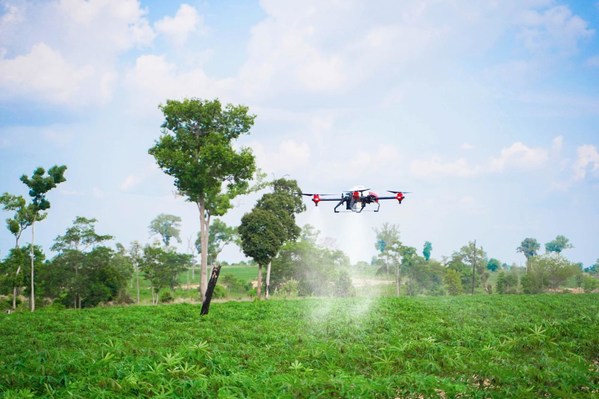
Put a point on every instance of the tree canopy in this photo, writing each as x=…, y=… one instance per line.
x=558, y=244
x=167, y=227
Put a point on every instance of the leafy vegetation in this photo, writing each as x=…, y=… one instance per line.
x=409, y=347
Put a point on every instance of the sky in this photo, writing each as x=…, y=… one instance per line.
x=487, y=112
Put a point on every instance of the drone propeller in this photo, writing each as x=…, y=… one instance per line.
x=359, y=189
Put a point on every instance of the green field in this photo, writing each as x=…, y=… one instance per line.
x=441, y=347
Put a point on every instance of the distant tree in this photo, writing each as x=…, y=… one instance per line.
x=306, y=267
x=426, y=251
x=493, y=265
x=135, y=253
x=167, y=227
x=162, y=266
x=390, y=257
x=593, y=269
x=507, y=282
x=18, y=258
x=73, y=249
x=529, y=247
x=453, y=282
x=558, y=244
x=262, y=236
x=22, y=218
x=196, y=148
x=475, y=258
x=39, y=184
x=548, y=271
x=219, y=236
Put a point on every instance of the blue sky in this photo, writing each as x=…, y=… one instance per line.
x=487, y=111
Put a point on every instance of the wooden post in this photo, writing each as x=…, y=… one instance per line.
x=210, y=290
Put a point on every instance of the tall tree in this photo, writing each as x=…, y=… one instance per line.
x=390, y=252
x=196, y=148
x=135, y=256
x=476, y=258
x=285, y=201
x=558, y=245
x=529, y=247
x=22, y=218
x=39, y=184
x=167, y=226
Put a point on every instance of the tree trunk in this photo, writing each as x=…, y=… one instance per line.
x=397, y=279
x=204, y=225
x=267, y=292
x=259, y=287
x=137, y=282
x=32, y=254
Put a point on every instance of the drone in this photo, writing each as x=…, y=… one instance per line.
x=356, y=199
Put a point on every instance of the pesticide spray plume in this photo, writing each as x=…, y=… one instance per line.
x=356, y=244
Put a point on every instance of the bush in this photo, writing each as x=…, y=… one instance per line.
x=589, y=283
x=219, y=292
x=507, y=283
x=166, y=297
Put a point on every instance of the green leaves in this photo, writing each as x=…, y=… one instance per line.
x=196, y=148
x=469, y=346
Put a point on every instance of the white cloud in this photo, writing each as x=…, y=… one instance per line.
x=66, y=52
x=467, y=146
x=435, y=167
x=178, y=28
x=555, y=29
x=154, y=79
x=519, y=156
x=587, y=161
x=43, y=72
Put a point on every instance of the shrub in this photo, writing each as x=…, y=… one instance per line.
x=166, y=297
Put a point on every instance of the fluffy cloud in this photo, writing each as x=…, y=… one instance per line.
x=178, y=28
x=153, y=79
x=516, y=156
x=44, y=73
x=67, y=51
x=519, y=156
x=587, y=161
x=553, y=30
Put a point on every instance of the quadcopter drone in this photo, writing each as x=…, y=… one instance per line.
x=355, y=196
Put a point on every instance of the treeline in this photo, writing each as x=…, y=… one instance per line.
x=86, y=272
x=470, y=270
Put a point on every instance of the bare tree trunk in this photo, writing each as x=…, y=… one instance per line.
x=204, y=225
x=15, y=289
x=32, y=255
x=259, y=287
x=137, y=281
x=397, y=279
x=267, y=293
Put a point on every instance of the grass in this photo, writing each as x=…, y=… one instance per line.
x=468, y=346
